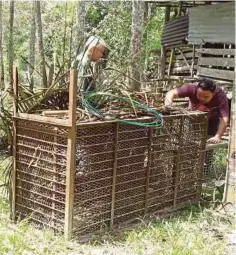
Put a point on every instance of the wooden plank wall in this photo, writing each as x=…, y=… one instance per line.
x=180, y=61
x=217, y=63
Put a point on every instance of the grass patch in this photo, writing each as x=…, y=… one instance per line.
x=187, y=233
x=194, y=230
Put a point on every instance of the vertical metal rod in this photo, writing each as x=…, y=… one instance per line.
x=14, y=144
x=202, y=158
x=71, y=143
x=180, y=141
x=113, y=194
x=54, y=174
x=149, y=161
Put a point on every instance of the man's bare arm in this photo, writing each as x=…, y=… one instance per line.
x=221, y=129
x=170, y=96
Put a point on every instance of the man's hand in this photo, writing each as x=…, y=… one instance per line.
x=214, y=139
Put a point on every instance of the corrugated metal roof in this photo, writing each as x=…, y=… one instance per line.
x=175, y=32
x=185, y=3
x=212, y=23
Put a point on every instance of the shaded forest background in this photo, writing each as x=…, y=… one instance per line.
x=42, y=38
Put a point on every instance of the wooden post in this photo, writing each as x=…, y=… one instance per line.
x=171, y=61
x=230, y=185
x=162, y=63
x=14, y=143
x=71, y=143
x=193, y=59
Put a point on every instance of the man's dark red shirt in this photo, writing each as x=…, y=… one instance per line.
x=218, y=106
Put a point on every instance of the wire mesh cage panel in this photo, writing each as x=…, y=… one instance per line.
x=125, y=171
x=41, y=158
x=121, y=172
x=215, y=164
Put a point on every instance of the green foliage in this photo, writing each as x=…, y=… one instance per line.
x=220, y=162
x=115, y=30
x=154, y=28
x=109, y=19
x=97, y=12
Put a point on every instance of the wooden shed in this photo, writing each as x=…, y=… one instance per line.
x=200, y=41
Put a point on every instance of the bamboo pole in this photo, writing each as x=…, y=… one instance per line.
x=71, y=143
x=14, y=143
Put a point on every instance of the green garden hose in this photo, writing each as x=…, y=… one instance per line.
x=158, y=122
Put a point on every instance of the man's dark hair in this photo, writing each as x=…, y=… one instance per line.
x=207, y=84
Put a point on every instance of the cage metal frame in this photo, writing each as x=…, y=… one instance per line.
x=66, y=134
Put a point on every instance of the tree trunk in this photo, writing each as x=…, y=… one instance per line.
x=64, y=38
x=135, y=45
x=10, y=47
x=147, y=16
x=80, y=22
x=32, y=47
x=40, y=43
x=162, y=62
x=1, y=51
x=230, y=187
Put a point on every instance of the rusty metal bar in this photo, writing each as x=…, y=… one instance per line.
x=39, y=131
x=43, y=187
x=132, y=156
x=97, y=180
x=41, y=213
x=167, y=201
x=31, y=156
x=129, y=173
x=114, y=174
x=170, y=157
x=149, y=157
x=91, y=199
x=98, y=207
x=36, y=193
x=136, y=187
x=124, y=214
x=131, y=204
x=98, y=171
x=40, y=204
x=202, y=158
x=40, y=149
x=40, y=168
x=42, y=119
x=123, y=199
x=39, y=177
x=97, y=144
x=178, y=162
x=54, y=170
x=14, y=147
x=41, y=141
x=96, y=189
